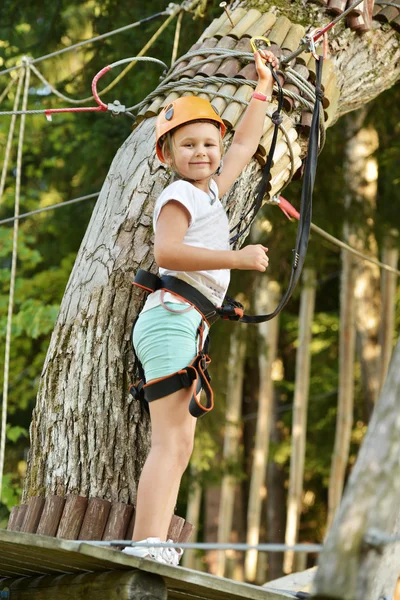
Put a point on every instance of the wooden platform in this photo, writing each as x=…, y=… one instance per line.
x=33, y=556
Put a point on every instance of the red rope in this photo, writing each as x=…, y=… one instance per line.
x=101, y=106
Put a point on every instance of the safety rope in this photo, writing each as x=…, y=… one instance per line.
x=8, y=88
x=315, y=228
x=50, y=207
x=10, y=135
x=306, y=548
x=290, y=211
x=12, y=277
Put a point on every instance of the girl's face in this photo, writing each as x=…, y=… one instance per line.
x=196, y=152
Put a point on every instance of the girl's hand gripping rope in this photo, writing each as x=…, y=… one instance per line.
x=265, y=62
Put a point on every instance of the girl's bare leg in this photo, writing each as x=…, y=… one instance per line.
x=172, y=436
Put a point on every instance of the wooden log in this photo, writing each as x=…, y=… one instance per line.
x=184, y=63
x=250, y=18
x=396, y=24
x=262, y=26
x=231, y=66
x=356, y=23
x=131, y=526
x=348, y=567
x=72, y=517
x=51, y=515
x=226, y=28
x=20, y=516
x=118, y=521
x=279, y=31
x=207, y=91
x=95, y=519
x=186, y=533
x=293, y=37
x=357, y=10
x=266, y=301
x=33, y=514
x=248, y=72
x=153, y=109
x=214, y=26
x=221, y=103
x=112, y=585
x=175, y=528
x=170, y=98
x=206, y=45
x=276, y=183
x=387, y=15
x=13, y=518
x=265, y=141
x=210, y=68
x=299, y=422
x=234, y=110
x=337, y=6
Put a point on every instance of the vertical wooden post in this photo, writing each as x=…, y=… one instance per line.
x=233, y=414
x=348, y=567
x=390, y=256
x=193, y=517
x=299, y=426
x=344, y=418
x=267, y=299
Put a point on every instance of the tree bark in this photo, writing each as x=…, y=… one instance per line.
x=87, y=435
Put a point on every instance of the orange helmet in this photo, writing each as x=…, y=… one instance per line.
x=182, y=111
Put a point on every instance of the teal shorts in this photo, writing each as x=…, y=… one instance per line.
x=165, y=342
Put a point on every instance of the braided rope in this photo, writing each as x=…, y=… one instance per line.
x=25, y=72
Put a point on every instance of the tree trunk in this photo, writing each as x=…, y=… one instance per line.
x=233, y=434
x=267, y=299
x=299, y=427
x=87, y=435
x=348, y=567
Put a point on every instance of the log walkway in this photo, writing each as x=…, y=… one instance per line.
x=38, y=567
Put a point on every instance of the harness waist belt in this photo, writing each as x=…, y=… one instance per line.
x=151, y=283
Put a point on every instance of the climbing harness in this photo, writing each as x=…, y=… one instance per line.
x=195, y=374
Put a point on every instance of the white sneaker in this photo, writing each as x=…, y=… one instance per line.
x=172, y=555
x=156, y=554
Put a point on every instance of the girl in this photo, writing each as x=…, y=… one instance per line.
x=191, y=243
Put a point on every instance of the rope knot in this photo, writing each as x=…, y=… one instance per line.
x=276, y=118
x=319, y=94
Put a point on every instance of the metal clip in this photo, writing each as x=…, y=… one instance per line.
x=258, y=37
x=311, y=44
x=116, y=108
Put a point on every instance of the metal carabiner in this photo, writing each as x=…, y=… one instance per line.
x=258, y=37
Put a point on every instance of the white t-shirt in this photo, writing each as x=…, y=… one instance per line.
x=208, y=228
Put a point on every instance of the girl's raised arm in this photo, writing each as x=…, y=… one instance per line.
x=247, y=135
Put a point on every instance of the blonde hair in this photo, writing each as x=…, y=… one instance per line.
x=167, y=141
